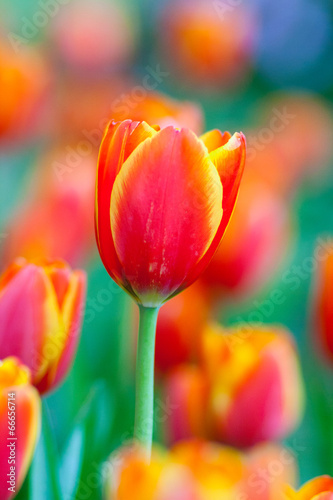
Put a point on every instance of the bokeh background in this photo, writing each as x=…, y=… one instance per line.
x=262, y=67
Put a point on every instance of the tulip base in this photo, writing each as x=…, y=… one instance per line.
x=144, y=397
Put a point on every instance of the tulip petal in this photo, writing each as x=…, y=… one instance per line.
x=229, y=161
x=163, y=226
x=119, y=141
x=27, y=426
x=214, y=139
x=319, y=488
x=65, y=345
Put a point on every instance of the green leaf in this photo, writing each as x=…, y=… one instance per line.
x=43, y=478
x=71, y=463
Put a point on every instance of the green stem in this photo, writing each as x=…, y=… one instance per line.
x=144, y=397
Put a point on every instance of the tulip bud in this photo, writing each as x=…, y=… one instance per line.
x=163, y=201
x=19, y=425
x=256, y=390
x=41, y=310
x=320, y=488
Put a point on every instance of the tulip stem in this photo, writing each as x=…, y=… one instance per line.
x=144, y=397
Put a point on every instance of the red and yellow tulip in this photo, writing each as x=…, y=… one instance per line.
x=256, y=385
x=41, y=308
x=163, y=201
x=320, y=488
x=19, y=425
x=242, y=373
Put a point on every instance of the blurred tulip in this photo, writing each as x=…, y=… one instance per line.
x=164, y=192
x=254, y=245
x=179, y=325
x=256, y=390
x=192, y=470
x=24, y=83
x=56, y=218
x=323, y=319
x=94, y=36
x=320, y=488
x=19, y=425
x=41, y=308
x=207, y=43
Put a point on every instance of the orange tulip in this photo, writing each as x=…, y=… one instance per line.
x=41, y=310
x=200, y=470
x=207, y=44
x=324, y=302
x=320, y=488
x=193, y=470
x=163, y=201
x=19, y=425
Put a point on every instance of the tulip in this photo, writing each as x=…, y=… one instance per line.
x=324, y=301
x=19, y=425
x=193, y=470
x=256, y=390
x=254, y=244
x=320, y=488
x=41, y=310
x=208, y=45
x=160, y=212
x=163, y=201
x=179, y=326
